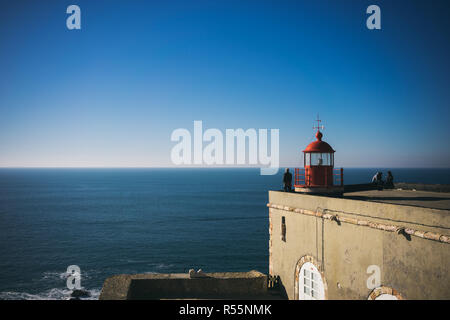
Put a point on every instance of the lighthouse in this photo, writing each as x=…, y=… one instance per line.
x=318, y=175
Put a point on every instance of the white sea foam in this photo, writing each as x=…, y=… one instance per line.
x=63, y=275
x=52, y=294
x=54, y=276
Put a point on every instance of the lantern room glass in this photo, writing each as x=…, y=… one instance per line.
x=319, y=159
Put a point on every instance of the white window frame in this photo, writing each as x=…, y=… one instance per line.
x=310, y=286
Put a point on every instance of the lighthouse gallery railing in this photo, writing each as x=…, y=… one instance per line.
x=301, y=179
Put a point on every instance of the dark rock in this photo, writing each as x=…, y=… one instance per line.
x=80, y=294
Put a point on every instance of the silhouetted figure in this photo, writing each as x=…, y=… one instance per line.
x=287, y=180
x=389, y=180
x=378, y=178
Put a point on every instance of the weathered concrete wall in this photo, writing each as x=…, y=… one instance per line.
x=227, y=285
x=417, y=268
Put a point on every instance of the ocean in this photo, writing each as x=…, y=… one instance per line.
x=112, y=221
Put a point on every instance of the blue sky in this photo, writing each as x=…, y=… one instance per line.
x=111, y=93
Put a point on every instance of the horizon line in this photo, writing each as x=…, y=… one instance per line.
x=201, y=167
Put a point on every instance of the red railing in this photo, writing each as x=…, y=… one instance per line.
x=299, y=177
x=338, y=178
x=302, y=179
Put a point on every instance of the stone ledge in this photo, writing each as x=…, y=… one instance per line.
x=224, y=285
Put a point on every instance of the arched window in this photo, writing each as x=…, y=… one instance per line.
x=310, y=283
x=309, y=280
x=385, y=293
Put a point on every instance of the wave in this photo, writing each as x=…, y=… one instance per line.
x=55, y=275
x=52, y=279
x=52, y=294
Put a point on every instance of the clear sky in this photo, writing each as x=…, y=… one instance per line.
x=111, y=93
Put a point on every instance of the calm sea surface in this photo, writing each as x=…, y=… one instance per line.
x=111, y=221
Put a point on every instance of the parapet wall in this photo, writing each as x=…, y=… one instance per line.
x=423, y=187
x=227, y=285
x=345, y=237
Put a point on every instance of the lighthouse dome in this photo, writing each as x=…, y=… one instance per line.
x=319, y=145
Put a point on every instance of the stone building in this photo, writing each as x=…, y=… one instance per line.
x=387, y=244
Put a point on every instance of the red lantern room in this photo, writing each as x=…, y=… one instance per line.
x=318, y=174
